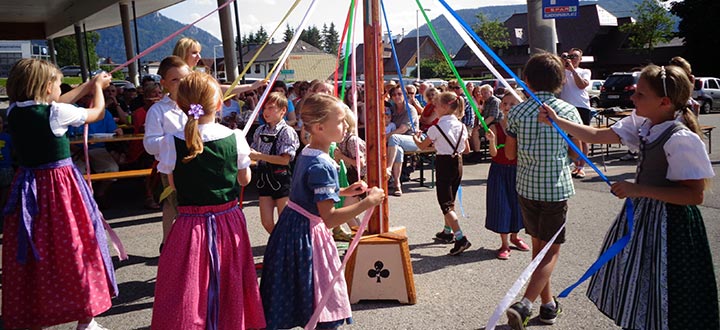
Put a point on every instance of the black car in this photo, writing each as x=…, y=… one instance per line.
x=617, y=89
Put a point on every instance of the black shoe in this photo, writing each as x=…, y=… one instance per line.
x=444, y=237
x=518, y=316
x=460, y=246
x=549, y=315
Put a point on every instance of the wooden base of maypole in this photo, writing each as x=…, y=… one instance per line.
x=380, y=269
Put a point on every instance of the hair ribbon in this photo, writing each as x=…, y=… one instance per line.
x=196, y=110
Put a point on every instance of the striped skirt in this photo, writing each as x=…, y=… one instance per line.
x=663, y=278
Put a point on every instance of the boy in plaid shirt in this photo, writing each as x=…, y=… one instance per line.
x=544, y=182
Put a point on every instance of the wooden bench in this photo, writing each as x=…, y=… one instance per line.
x=707, y=131
x=120, y=174
x=425, y=159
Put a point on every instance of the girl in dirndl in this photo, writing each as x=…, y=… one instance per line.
x=206, y=275
x=301, y=258
x=664, y=277
x=503, y=210
x=56, y=267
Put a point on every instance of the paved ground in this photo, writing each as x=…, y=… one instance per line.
x=453, y=292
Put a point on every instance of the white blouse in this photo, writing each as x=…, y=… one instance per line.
x=208, y=132
x=62, y=115
x=684, y=150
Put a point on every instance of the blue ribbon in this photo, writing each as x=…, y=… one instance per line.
x=629, y=209
x=397, y=68
x=460, y=203
x=213, y=303
x=24, y=190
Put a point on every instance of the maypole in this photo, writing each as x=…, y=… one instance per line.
x=382, y=250
x=375, y=110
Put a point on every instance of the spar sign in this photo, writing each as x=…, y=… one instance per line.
x=560, y=8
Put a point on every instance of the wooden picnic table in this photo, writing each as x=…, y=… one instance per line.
x=108, y=139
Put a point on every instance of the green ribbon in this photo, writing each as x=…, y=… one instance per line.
x=347, y=49
x=342, y=174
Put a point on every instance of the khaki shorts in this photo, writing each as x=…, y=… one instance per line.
x=543, y=219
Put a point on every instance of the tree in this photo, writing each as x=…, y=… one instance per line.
x=433, y=68
x=67, y=53
x=288, y=34
x=696, y=26
x=493, y=33
x=654, y=25
x=312, y=36
x=261, y=36
x=330, y=39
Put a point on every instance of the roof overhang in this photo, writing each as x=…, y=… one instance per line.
x=45, y=19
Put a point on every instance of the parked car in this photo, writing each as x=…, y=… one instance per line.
x=593, y=90
x=617, y=89
x=71, y=71
x=124, y=84
x=497, y=84
x=707, y=93
x=436, y=82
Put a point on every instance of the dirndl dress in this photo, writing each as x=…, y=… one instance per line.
x=664, y=277
x=301, y=253
x=503, y=209
x=206, y=275
x=56, y=263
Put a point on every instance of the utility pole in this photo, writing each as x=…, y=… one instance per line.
x=543, y=36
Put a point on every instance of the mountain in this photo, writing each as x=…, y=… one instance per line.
x=453, y=42
x=151, y=29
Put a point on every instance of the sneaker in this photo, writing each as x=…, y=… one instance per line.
x=444, y=237
x=518, y=316
x=580, y=174
x=549, y=315
x=93, y=325
x=460, y=246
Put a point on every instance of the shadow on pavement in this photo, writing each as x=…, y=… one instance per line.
x=424, y=263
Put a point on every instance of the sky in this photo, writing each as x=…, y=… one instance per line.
x=268, y=13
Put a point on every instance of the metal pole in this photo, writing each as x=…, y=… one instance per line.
x=241, y=65
x=417, y=37
x=228, y=40
x=81, y=51
x=137, y=40
x=87, y=50
x=127, y=38
x=544, y=37
x=214, y=63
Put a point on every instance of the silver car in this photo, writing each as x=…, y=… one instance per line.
x=707, y=93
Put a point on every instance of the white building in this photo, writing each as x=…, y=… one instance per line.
x=13, y=50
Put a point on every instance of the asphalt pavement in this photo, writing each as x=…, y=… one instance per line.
x=453, y=292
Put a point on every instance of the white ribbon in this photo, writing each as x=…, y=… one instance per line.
x=466, y=37
x=519, y=283
x=280, y=64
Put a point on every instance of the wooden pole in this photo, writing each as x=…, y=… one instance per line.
x=375, y=110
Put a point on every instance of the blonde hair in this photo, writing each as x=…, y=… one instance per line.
x=278, y=98
x=202, y=89
x=672, y=82
x=428, y=91
x=318, y=107
x=29, y=79
x=184, y=45
x=451, y=101
x=350, y=120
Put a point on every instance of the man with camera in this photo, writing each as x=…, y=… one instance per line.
x=573, y=92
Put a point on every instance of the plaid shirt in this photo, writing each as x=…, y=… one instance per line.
x=543, y=171
x=468, y=118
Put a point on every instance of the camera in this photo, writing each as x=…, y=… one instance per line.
x=566, y=56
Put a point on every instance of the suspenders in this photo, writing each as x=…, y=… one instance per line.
x=457, y=144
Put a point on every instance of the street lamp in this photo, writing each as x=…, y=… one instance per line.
x=215, y=60
x=417, y=37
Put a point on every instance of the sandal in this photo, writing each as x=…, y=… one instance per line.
x=520, y=244
x=397, y=192
x=580, y=174
x=503, y=254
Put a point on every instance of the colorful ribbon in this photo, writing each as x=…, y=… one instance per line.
x=397, y=67
x=281, y=61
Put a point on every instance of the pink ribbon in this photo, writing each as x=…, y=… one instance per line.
x=339, y=272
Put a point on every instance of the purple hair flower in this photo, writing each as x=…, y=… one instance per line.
x=196, y=110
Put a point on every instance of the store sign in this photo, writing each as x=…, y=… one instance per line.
x=560, y=8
